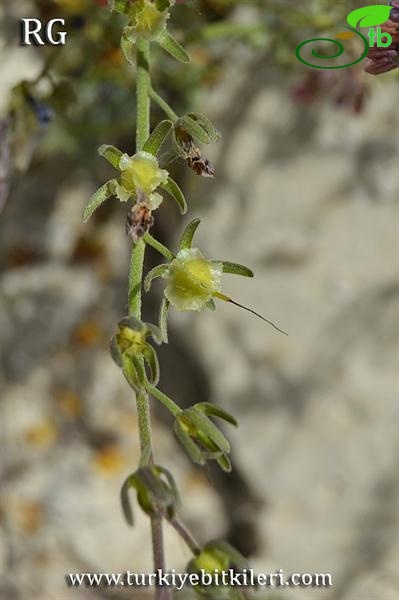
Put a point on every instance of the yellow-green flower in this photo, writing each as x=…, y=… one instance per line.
x=192, y=280
x=141, y=172
x=140, y=176
x=146, y=20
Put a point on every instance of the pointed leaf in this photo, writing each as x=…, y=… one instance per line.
x=207, y=125
x=157, y=271
x=224, y=463
x=173, y=189
x=163, y=319
x=188, y=234
x=158, y=137
x=111, y=154
x=126, y=506
x=235, y=269
x=215, y=411
x=171, y=45
x=100, y=196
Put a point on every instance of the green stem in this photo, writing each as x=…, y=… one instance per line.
x=135, y=278
x=164, y=105
x=187, y=536
x=166, y=401
x=143, y=84
x=144, y=422
x=158, y=246
x=143, y=106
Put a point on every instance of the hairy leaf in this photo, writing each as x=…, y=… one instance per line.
x=98, y=198
x=188, y=234
x=173, y=189
x=236, y=269
x=158, y=137
x=171, y=45
x=157, y=271
x=111, y=154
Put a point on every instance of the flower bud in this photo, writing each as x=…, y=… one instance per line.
x=156, y=490
x=131, y=352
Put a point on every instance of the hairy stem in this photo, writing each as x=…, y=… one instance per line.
x=164, y=105
x=143, y=84
x=135, y=290
x=166, y=401
x=158, y=246
x=144, y=424
x=184, y=533
x=142, y=132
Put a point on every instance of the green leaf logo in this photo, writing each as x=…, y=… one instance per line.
x=369, y=16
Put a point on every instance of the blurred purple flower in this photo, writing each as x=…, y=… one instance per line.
x=345, y=89
x=394, y=16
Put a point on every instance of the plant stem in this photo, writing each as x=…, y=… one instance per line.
x=143, y=84
x=144, y=423
x=158, y=246
x=135, y=285
x=163, y=105
x=166, y=401
x=162, y=593
x=184, y=533
x=142, y=133
x=135, y=278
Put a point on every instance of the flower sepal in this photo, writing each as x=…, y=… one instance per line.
x=132, y=352
x=200, y=437
x=156, y=491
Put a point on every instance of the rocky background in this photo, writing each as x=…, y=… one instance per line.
x=307, y=196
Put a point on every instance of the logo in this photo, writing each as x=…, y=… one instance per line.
x=366, y=17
